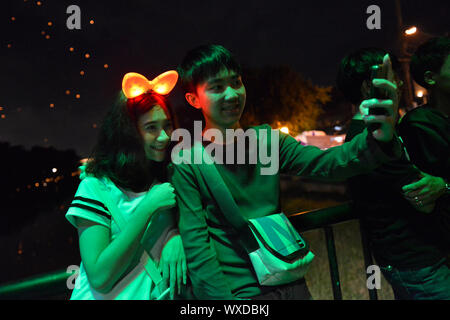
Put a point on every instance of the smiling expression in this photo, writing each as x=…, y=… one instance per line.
x=221, y=99
x=155, y=129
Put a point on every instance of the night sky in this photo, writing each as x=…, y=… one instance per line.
x=40, y=77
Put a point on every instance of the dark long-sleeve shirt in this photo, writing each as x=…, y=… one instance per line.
x=400, y=235
x=426, y=134
x=218, y=265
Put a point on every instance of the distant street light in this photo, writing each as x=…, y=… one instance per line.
x=411, y=31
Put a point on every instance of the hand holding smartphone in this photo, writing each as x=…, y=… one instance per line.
x=377, y=72
x=380, y=110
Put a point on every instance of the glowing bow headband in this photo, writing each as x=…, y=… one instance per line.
x=134, y=84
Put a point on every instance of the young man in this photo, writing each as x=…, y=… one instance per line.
x=426, y=130
x=218, y=265
x=406, y=240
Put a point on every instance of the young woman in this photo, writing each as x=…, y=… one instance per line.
x=129, y=163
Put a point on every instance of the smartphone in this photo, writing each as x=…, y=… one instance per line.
x=376, y=72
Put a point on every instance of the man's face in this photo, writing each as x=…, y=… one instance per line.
x=443, y=78
x=221, y=99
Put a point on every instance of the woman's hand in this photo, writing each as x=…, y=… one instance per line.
x=422, y=194
x=160, y=197
x=173, y=264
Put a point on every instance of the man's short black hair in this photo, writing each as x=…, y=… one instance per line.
x=355, y=68
x=203, y=62
x=429, y=56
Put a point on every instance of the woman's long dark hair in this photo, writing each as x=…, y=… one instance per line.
x=119, y=152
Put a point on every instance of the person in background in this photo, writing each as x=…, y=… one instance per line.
x=426, y=130
x=405, y=239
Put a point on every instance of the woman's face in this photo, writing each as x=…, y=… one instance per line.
x=155, y=129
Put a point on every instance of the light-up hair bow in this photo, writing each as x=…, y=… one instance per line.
x=134, y=84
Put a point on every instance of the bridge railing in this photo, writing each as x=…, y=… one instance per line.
x=51, y=285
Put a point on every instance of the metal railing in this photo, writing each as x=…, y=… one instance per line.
x=325, y=218
x=54, y=284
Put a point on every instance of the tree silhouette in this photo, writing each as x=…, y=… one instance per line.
x=279, y=95
x=337, y=112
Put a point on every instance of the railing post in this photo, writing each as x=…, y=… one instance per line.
x=368, y=261
x=334, y=271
